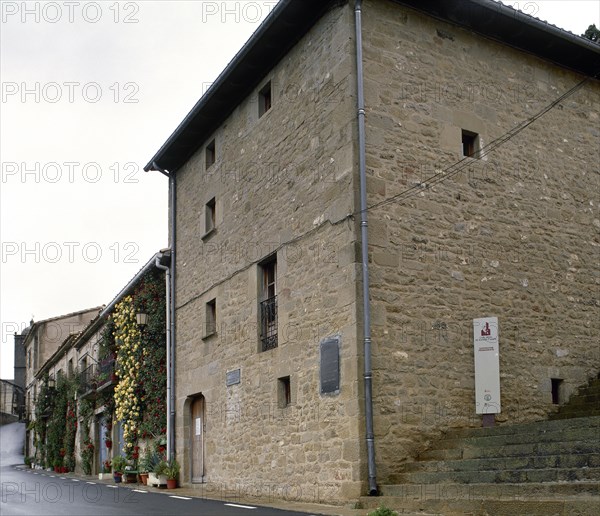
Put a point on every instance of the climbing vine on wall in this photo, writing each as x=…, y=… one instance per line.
x=150, y=299
x=129, y=358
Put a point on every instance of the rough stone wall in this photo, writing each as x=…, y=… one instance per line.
x=283, y=183
x=514, y=235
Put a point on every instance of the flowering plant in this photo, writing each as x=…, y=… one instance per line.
x=129, y=355
x=87, y=456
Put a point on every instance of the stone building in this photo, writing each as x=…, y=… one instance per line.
x=41, y=341
x=480, y=203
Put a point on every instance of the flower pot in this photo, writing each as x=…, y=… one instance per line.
x=144, y=478
x=171, y=483
x=56, y=469
x=130, y=478
x=155, y=480
x=117, y=477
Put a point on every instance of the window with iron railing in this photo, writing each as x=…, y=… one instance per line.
x=268, y=304
x=268, y=323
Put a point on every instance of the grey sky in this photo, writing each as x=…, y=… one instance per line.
x=106, y=87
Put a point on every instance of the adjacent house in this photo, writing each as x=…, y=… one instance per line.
x=361, y=182
x=80, y=396
x=40, y=341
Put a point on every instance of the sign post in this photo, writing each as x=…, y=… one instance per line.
x=487, y=368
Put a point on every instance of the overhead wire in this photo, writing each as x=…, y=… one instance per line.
x=455, y=168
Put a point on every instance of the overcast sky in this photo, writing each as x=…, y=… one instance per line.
x=89, y=93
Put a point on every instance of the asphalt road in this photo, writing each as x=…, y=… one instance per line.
x=26, y=492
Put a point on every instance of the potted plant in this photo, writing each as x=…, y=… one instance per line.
x=119, y=464
x=157, y=475
x=144, y=467
x=171, y=471
x=106, y=470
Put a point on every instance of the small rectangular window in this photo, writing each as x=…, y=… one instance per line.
x=211, y=318
x=209, y=212
x=211, y=154
x=264, y=99
x=284, y=392
x=556, y=390
x=470, y=144
x=70, y=368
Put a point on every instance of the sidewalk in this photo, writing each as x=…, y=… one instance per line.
x=205, y=491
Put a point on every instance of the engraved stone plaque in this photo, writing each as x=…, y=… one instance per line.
x=330, y=365
x=232, y=377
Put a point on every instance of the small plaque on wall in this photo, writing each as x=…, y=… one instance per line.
x=330, y=365
x=232, y=377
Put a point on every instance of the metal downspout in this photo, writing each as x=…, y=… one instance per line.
x=368, y=377
x=171, y=340
x=171, y=350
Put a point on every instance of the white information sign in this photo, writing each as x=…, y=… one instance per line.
x=198, y=426
x=487, y=365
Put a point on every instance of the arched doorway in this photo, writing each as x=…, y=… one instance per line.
x=197, y=439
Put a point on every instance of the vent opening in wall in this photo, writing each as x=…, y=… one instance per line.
x=211, y=318
x=470, y=144
x=264, y=99
x=556, y=390
x=209, y=212
x=211, y=154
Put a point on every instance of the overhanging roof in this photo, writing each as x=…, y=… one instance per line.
x=290, y=20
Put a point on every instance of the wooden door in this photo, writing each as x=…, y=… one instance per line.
x=197, y=445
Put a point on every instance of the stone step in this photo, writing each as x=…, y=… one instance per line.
x=588, y=460
x=533, y=436
x=525, y=428
x=513, y=450
x=592, y=399
x=487, y=507
x=571, y=413
x=498, y=476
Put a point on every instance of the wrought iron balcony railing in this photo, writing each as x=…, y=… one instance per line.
x=268, y=323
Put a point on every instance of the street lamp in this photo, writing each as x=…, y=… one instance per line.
x=141, y=319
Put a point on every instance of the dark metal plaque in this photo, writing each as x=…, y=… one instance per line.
x=330, y=365
x=232, y=377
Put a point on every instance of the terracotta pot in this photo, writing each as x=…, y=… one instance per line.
x=144, y=478
x=171, y=483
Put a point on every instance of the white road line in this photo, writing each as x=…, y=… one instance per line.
x=93, y=483
x=113, y=487
x=138, y=491
x=240, y=506
x=74, y=480
x=180, y=497
x=53, y=476
x=63, y=478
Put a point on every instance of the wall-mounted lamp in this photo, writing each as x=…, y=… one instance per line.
x=142, y=319
x=51, y=383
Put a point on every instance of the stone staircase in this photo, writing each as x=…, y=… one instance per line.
x=542, y=468
x=583, y=404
